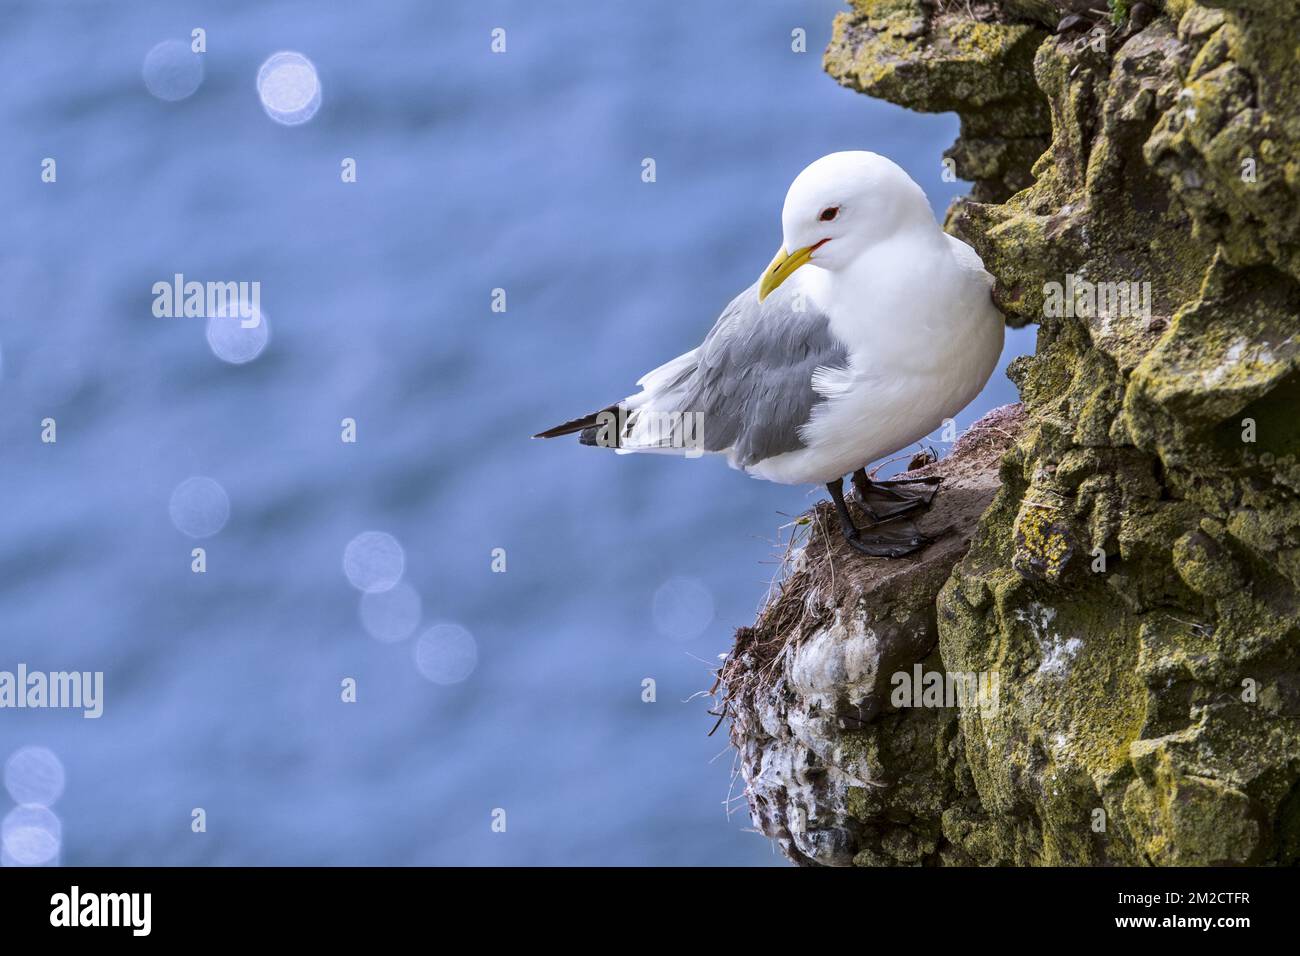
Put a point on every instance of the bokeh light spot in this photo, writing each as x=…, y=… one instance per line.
x=231, y=340
x=30, y=836
x=172, y=71
x=374, y=561
x=34, y=775
x=446, y=654
x=289, y=88
x=199, y=507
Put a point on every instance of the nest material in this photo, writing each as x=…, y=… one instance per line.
x=819, y=572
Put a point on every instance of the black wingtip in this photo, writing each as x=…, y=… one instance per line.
x=569, y=427
x=587, y=425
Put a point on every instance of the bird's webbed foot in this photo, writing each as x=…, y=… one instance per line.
x=894, y=540
x=894, y=537
x=883, y=500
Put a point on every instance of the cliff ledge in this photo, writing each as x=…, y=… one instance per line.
x=1121, y=554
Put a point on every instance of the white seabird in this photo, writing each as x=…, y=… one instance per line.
x=868, y=329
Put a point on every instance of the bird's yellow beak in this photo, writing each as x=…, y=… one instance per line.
x=781, y=268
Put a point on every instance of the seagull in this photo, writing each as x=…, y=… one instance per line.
x=868, y=329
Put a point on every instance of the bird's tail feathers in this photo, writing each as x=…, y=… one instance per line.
x=615, y=426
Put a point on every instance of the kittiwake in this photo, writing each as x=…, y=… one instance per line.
x=868, y=329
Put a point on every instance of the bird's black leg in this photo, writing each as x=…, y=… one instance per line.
x=883, y=500
x=882, y=541
x=836, y=488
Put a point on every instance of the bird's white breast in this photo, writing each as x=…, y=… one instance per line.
x=922, y=335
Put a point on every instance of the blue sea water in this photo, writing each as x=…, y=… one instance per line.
x=476, y=171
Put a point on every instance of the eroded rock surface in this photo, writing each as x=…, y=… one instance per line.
x=831, y=767
x=1134, y=578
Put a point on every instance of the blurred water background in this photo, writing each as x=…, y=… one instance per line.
x=476, y=690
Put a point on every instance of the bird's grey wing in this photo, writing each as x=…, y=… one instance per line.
x=752, y=379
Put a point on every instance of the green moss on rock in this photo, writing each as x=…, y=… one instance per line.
x=928, y=58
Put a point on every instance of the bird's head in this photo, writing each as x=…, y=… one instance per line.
x=840, y=206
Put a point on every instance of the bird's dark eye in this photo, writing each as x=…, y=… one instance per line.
x=829, y=213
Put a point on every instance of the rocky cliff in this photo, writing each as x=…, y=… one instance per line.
x=1118, y=570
